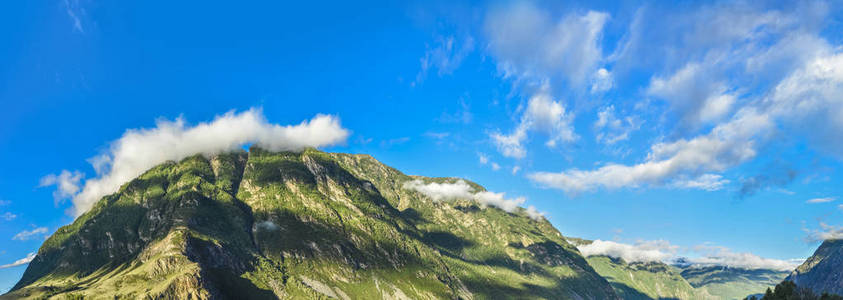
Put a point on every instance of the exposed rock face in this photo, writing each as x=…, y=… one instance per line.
x=823, y=271
x=263, y=225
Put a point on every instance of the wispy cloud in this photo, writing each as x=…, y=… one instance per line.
x=820, y=200
x=72, y=8
x=445, y=56
x=141, y=149
x=29, y=257
x=30, y=234
x=8, y=216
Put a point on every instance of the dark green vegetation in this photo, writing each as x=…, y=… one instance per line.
x=731, y=283
x=656, y=280
x=788, y=290
x=642, y=280
x=823, y=271
x=263, y=225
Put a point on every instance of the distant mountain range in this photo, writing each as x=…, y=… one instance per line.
x=680, y=280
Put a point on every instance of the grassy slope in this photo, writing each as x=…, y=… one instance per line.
x=732, y=283
x=644, y=280
x=304, y=225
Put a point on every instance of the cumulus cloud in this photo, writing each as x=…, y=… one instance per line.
x=725, y=146
x=704, y=255
x=642, y=251
x=808, y=96
x=820, y=200
x=602, y=81
x=29, y=234
x=29, y=257
x=441, y=191
x=529, y=44
x=461, y=190
x=495, y=166
x=66, y=182
x=141, y=149
x=542, y=115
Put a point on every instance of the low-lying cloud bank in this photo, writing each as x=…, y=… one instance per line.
x=705, y=255
x=141, y=149
x=461, y=190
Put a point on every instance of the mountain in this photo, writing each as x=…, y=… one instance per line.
x=642, y=280
x=823, y=271
x=731, y=283
x=309, y=224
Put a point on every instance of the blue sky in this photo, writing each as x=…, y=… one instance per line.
x=698, y=129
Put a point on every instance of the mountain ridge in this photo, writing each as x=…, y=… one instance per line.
x=301, y=224
x=823, y=271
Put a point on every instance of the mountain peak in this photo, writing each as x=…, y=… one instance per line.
x=300, y=224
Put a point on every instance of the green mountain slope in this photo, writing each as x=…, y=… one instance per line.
x=263, y=225
x=637, y=280
x=823, y=271
x=731, y=283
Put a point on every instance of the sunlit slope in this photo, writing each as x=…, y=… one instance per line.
x=263, y=225
x=823, y=271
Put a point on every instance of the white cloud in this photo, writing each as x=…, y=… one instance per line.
x=642, y=251
x=704, y=255
x=827, y=232
x=441, y=191
x=8, y=216
x=722, y=256
x=725, y=146
x=445, y=57
x=462, y=190
x=698, y=95
x=528, y=44
x=708, y=182
x=821, y=200
x=543, y=115
x=515, y=170
x=613, y=129
x=141, y=149
x=484, y=159
x=67, y=184
x=495, y=166
x=29, y=234
x=71, y=9
x=602, y=81
x=29, y=257
x=511, y=145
